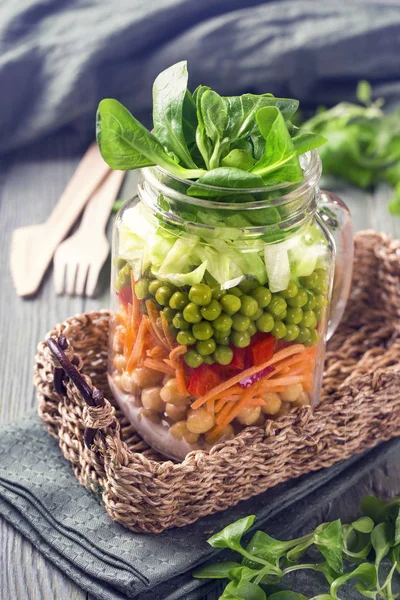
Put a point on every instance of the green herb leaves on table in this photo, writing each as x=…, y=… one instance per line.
x=364, y=554
x=232, y=142
x=363, y=143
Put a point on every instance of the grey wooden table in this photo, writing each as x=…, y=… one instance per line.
x=29, y=187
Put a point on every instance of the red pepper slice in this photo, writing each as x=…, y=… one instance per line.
x=125, y=295
x=239, y=358
x=202, y=380
x=262, y=350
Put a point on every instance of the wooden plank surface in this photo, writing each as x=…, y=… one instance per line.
x=28, y=191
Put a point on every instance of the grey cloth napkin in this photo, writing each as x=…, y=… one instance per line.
x=40, y=496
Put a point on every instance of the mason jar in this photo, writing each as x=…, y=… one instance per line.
x=223, y=300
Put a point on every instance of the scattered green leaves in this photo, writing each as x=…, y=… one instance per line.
x=266, y=560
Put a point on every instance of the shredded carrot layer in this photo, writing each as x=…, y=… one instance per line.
x=138, y=348
x=282, y=354
x=166, y=330
x=158, y=365
x=153, y=316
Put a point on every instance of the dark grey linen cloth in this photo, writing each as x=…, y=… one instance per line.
x=40, y=496
x=59, y=58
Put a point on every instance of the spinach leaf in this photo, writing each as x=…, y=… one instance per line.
x=280, y=161
x=243, y=591
x=215, y=117
x=202, y=140
x=286, y=595
x=169, y=91
x=189, y=119
x=266, y=547
x=217, y=571
x=225, y=177
x=240, y=159
x=364, y=572
x=381, y=541
x=303, y=141
x=126, y=144
x=364, y=525
x=231, y=535
x=329, y=541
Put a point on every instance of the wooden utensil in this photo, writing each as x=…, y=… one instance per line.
x=79, y=259
x=32, y=247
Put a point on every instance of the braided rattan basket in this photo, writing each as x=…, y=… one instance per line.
x=360, y=407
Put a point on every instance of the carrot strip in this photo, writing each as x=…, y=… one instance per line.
x=282, y=381
x=308, y=386
x=178, y=351
x=153, y=316
x=211, y=406
x=129, y=334
x=180, y=379
x=175, y=358
x=223, y=413
x=156, y=352
x=167, y=331
x=158, y=365
x=236, y=389
x=282, y=354
x=138, y=347
x=136, y=312
x=220, y=404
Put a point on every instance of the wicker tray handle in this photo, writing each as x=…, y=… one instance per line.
x=98, y=412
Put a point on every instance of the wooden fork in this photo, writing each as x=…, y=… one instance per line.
x=79, y=259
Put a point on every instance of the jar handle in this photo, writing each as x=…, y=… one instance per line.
x=335, y=218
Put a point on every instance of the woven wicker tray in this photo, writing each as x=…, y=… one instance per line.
x=143, y=491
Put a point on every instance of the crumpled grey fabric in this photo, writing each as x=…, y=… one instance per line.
x=59, y=58
x=40, y=496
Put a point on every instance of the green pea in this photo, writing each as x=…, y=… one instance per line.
x=206, y=347
x=283, y=315
x=248, y=285
x=263, y=296
x=240, y=339
x=240, y=322
x=249, y=306
x=304, y=335
x=208, y=360
x=231, y=304
x=321, y=284
x=321, y=301
x=142, y=289
x=211, y=311
x=309, y=281
x=318, y=313
x=200, y=294
x=265, y=323
x=202, y=330
x=292, y=331
x=163, y=294
x=309, y=319
x=299, y=300
x=186, y=338
x=193, y=359
x=191, y=313
x=291, y=290
x=310, y=302
x=154, y=285
x=179, y=321
x=222, y=337
x=236, y=292
x=257, y=314
x=169, y=313
x=277, y=306
x=178, y=300
x=251, y=330
x=223, y=355
x=217, y=293
x=222, y=323
x=279, y=330
x=294, y=315
x=313, y=339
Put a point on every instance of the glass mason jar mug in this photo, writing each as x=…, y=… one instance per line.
x=223, y=300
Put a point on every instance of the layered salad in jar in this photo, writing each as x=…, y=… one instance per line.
x=219, y=316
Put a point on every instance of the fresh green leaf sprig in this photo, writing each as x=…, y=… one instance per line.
x=241, y=142
x=265, y=561
x=363, y=143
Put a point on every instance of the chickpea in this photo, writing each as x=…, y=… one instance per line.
x=151, y=399
x=117, y=381
x=170, y=393
x=180, y=431
x=176, y=413
x=285, y=407
x=272, y=404
x=292, y=392
x=154, y=417
x=200, y=420
x=119, y=362
x=226, y=434
x=302, y=400
x=249, y=415
x=128, y=383
x=117, y=346
x=144, y=377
